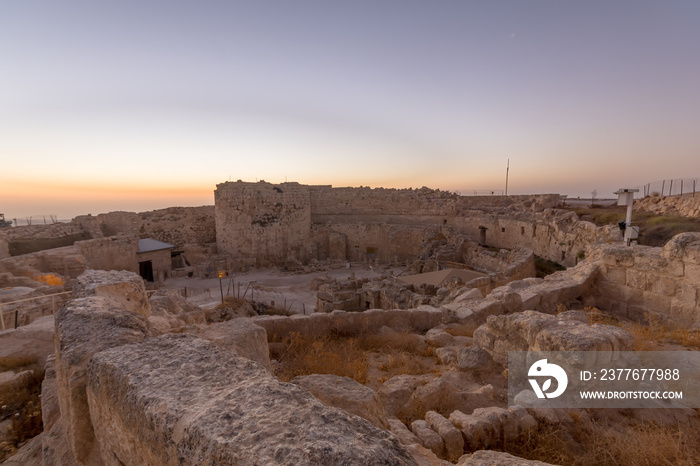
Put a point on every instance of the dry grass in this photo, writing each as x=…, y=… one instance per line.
x=349, y=356
x=326, y=355
x=655, y=230
x=652, y=334
x=21, y=402
x=637, y=445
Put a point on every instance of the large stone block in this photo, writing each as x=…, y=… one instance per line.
x=617, y=275
x=636, y=279
x=86, y=326
x=428, y=437
x=477, y=432
x=179, y=399
x=346, y=394
x=405, y=436
x=242, y=337
x=661, y=285
x=530, y=330
x=657, y=303
x=451, y=437
x=125, y=288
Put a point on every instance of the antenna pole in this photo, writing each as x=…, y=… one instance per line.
x=507, y=169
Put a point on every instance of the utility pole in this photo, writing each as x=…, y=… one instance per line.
x=507, y=169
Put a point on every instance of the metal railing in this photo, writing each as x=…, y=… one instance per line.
x=672, y=187
x=55, y=300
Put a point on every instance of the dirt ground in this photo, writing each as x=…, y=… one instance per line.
x=289, y=289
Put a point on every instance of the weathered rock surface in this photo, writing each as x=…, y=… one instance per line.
x=535, y=331
x=451, y=437
x=399, y=429
x=125, y=288
x=346, y=394
x=169, y=310
x=40, y=329
x=242, y=337
x=179, y=399
x=474, y=359
x=451, y=390
x=493, y=427
x=425, y=457
x=28, y=455
x=496, y=458
x=395, y=394
x=85, y=326
x=428, y=437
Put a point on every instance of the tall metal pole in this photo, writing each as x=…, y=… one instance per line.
x=507, y=169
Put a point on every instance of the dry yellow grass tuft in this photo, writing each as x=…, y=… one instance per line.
x=637, y=445
x=402, y=353
x=652, y=334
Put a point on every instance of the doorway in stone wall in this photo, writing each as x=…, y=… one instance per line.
x=146, y=270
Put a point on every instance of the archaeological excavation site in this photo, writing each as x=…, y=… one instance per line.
x=290, y=324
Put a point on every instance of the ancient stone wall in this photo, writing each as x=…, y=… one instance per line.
x=33, y=238
x=112, y=253
x=637, y=280
x=263, y=224
x=255, y=222
x=687, y=205
x=350, y=323
x=374, y=241
x=175, y=225
x=556, y=235
x=353, y=205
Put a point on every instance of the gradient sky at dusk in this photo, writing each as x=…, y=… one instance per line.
x=137, y=105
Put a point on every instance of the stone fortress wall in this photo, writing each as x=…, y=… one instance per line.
x=264, y=224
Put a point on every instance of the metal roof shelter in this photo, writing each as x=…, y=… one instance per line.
x=150, y=244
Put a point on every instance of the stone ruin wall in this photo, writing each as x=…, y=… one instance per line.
x=687, y=205
x=113, y=369
x=556, y=235
x=641, y=279
x=631, y=282
x=363, y=242
x=175, y=225
x=361, y=205
x=269, y=224
x=263, y=224
x=29, y=237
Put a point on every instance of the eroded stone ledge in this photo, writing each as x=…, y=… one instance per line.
x=178, y=399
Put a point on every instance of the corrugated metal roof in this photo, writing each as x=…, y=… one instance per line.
x=150, y=244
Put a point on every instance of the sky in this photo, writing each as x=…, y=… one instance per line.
x=139, y=105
